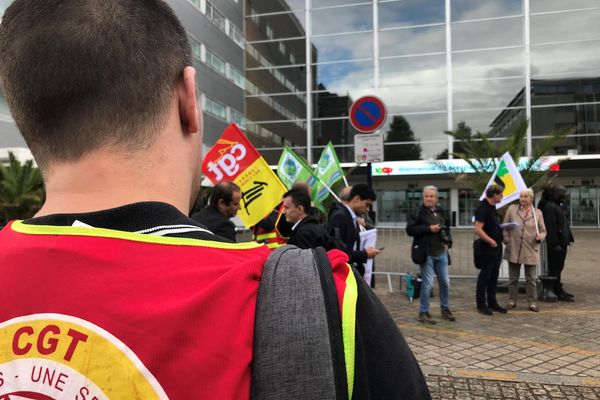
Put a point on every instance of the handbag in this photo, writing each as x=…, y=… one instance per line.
x=418, y=253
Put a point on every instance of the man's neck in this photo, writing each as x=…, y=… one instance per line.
x=104, y=179
x=490, y=201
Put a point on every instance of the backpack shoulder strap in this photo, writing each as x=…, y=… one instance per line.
x=296, y=343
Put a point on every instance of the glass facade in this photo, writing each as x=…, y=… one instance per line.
x=435, y=63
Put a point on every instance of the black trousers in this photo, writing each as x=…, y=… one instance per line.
x=487, y=281
x=556, y=264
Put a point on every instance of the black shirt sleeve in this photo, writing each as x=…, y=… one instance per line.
x=385, y=366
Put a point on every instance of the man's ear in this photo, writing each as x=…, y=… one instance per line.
x=188, y=102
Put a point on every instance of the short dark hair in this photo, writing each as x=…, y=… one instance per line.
x=223, y=190
x=300, y=197
x=80, y=75
x=493, y=190
x=364, y=191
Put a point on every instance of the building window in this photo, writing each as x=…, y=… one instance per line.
x=236, y=77
x=3, y=106
x=237, y=36
x=292, y=59
x=216, y=109
x=269, y=32
x=196, y=48
x=215, y=16
x=196, y=4
x=215, y=62
x=237, y=117
x=282, y=48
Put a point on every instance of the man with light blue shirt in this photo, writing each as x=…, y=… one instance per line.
x=429, y=226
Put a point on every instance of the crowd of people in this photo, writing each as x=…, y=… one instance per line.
x=113, y=261
x=113, y=272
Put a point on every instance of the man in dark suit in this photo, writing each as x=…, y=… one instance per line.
x=343, y=224
x=223, y=204
x=307, y=232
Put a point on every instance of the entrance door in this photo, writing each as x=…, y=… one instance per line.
x=583, y=205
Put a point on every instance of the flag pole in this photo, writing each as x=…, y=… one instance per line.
x=328, y=188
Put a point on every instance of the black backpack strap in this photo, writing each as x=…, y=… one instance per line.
x=334, y=322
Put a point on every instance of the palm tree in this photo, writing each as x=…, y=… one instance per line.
x=21, y=189
x=482, y=154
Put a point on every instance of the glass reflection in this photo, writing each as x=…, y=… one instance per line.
x=572, y=60
x=559, y=5
x=276, y=53
x=397, y=42
x=548, y=28
x=276, y=80
x=411, y=12
x=330, y=3
x=414, y=98
x=462, y=10
x=565, y=91
x=583, y=120
x=407, y=70
x=278, y=26
x=484, y=34
x=426, y=131
x=344, y=76
x=496, y=124
x=275, y=108
x=343, y=47
x=276, y=134
x=496, y=93
x=269, y=6
x=342, y=19
x=488, y=64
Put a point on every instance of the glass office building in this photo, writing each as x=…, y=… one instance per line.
x=288, y=70
x=435, y=64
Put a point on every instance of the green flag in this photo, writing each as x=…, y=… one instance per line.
x=328, y=171
x=292, y=169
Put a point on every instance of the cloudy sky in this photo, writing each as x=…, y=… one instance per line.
x=488, y=61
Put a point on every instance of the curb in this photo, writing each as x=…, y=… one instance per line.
x=511, y=376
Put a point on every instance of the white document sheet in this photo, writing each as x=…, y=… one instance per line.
x=368, y=239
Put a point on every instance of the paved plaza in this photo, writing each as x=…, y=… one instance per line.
x=553, y=354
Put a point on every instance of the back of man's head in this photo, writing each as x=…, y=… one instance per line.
x=363, y=191
x=345, y=193
x=223, y=191
x=300, y=197
x=493, y=190
x=80, y=75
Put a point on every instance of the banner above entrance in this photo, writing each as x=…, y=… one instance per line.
x=407, y=168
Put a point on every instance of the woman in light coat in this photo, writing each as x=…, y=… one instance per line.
x=522, y=246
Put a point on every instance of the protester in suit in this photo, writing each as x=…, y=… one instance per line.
x=559, y=236
x=223, y=205
x=488, y=250
x=307, y=232
x=343, y=224
x=522, y=247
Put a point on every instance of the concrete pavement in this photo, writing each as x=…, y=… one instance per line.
x=553, y=354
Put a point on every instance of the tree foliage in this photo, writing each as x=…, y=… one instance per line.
x=482, y=154
x=21, y=189
x=400, y=131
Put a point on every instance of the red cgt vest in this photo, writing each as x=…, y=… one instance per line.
x=90, y=313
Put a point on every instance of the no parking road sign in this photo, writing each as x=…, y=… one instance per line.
x=367, y=114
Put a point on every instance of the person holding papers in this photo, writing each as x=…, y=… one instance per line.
x=343, y=225
x=522, y=241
